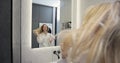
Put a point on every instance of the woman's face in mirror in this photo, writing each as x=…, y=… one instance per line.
x=45, y=27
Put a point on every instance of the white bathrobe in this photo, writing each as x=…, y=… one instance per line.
x=44, y=39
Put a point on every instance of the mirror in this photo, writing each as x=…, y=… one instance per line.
x=49, y=14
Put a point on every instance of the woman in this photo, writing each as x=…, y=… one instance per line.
x=98, y=38
x=43, y=37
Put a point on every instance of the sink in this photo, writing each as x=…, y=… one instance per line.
x=60, y=61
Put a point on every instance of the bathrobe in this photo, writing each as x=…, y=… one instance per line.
x=45, y=40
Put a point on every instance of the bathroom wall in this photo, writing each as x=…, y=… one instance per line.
x=16, y=36
x=65, y=10
x=5, y=31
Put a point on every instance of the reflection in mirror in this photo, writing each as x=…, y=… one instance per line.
x=44, y=36
x=45, y=22
x=55, y=14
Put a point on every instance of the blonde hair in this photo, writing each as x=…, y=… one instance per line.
x=99, y=34
x=39, y=30
x=36, y=31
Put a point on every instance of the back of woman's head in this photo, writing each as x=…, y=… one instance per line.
x=99, y=35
